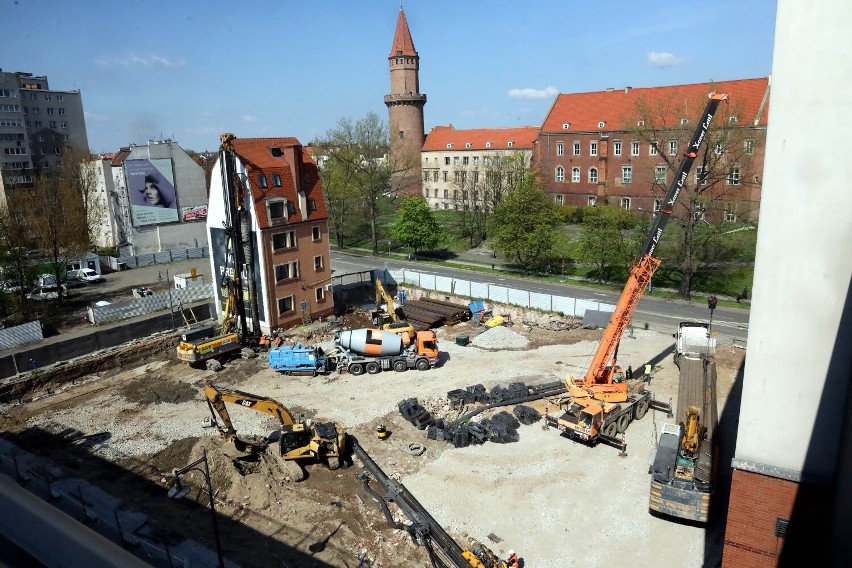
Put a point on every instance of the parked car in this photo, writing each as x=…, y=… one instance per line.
x=11, y=286
x=86, y=275
x=45, y=280
x=40, y=293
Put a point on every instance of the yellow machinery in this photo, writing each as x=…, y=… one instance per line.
x=296, y=440
x=387, y=318
x=480, y=556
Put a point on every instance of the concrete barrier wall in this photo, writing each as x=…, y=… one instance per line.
x=97, y=339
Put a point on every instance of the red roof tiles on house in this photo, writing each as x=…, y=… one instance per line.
x=403, y=45
x=522, y=138
x=618, y=109
x=271, y=156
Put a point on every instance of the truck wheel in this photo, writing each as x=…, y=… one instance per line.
x=373, y=368
x=611, y=429
x=641, y=409
x=356, y=369
x=423, y=365
x=623, y=422
x=400, y=366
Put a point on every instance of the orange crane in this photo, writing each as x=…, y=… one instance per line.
x=598, y=382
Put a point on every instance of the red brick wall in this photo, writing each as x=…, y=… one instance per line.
x=756, y=502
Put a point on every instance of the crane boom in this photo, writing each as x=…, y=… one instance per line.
x=598, y=380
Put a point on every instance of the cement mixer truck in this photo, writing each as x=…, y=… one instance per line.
x=374, y=350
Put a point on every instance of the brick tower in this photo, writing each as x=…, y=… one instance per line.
x=405, y=109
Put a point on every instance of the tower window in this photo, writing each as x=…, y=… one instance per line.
x=401, y=134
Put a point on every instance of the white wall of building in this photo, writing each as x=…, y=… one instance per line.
x=792, y=407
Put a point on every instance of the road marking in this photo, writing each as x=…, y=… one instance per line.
x=723, y=323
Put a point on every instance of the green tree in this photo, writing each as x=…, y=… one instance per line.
x=606, y=241
x=417, y=226
x=363, y=151
x=341, y=192
x=524, y=223
x=721, y=191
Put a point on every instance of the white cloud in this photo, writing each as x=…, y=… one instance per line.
x=533, y=94
x=95, y=117
x=664, y=59
x=152, y=60
x=249, y=118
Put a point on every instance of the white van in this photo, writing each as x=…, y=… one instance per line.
x=84, y=275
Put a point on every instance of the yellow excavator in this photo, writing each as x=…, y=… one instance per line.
x=387, y=318
x=297, y=440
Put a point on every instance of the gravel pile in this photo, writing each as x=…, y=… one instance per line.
x=500, y=337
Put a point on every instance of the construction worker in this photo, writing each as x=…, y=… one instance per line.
x=629, y=374
x=512, y=562
x=648, y=369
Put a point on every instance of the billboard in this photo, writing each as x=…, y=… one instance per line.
x=151, y=186
x=223, y=262
x=197, y=213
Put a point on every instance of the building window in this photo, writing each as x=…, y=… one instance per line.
x=33, y=96
x=734, y=175
x=435, y=176
x=640, y=123
x=488, y=144
x=276, y=180
x=287, y=271
x=658, y=205
x=566, y=125
x=61, y=111
x=660, y=174
x=672, y=147
x=593, y=148
x=261, y=181
x=634, y=148
x=560, y=149
x=320, y=294
x=749, y=147
x=731, y=214
x=559, y=200
x=626, y=174
x=718, y=149
x=684, y=121
x=446, y=160
x=318, y=263
x=700, y=176
x=592, y=200
x=48, y=97
x=456, y=176
x=52, y=124
x=625, y=203
x=286, y=239
x=50, y=110
x=575, y=175
x=275, y=210
x=510, y=144
x=63, y=124
x=445, y=176
x=312, y=205
x=476, y=160
x=285, y=305
x=6, y=93
x=593, y=175
x=316, y=234
x=425, y=176
x=560, y=174
x=475, y=177
x=652, y=148
x=455, y=160
x=616, y=148
x=60, y=98
x=465, y=160
x=576, y=148
x=485, y=161
x=446, y=194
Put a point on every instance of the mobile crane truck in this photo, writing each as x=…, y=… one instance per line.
x=601, y=405
x=375, y=350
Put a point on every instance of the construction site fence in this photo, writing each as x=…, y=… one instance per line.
x=169, y=300
x=164, y=257
x=566, y=305
x=20, y=334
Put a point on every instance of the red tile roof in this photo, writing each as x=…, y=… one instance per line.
x=618, y=108
x=257, y=155
x=402, y=42
x=521, y=137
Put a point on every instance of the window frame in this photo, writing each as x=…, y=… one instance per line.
x=634, y=148
x=616, y=147
x=625, y=203
x=318, y=266
x=593, y=175
x=560, y=149
x=593, y=147
x=575, y=175
x=576, y=148
x=560, y=174
x=292, y=308
x=626, y=174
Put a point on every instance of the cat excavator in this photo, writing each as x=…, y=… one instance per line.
x=387, y=319
x=296, y=440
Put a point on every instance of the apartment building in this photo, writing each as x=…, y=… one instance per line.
x=287, y=227
x=469, y=168
x=36, y=123
x=621, y=146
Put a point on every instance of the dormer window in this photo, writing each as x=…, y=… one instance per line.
x=640, y=123
x=261, y=182
x=601, y=124
x=488, y=144
x=684, y=121
x=449, y=145
x=511, y=143
x=732, y=119
x=467, y=145
x=566, y=125
x=275, y=210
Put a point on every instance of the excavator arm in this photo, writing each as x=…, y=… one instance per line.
x=598, y=381
x=217, y=396
x=383, y=296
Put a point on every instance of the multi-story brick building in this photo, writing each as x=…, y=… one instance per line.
x=468, y=167
x=288, y=226
x=620, y=147
x=36, y=124
x=405, y=110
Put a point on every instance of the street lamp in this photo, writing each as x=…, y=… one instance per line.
x=180, y=490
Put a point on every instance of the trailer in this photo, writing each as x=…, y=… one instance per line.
x=299, y=360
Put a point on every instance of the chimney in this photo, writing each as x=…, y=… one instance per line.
x=627, y=90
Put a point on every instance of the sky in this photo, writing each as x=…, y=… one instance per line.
x=190, y=70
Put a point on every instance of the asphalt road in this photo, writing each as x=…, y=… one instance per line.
x=660, y=314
